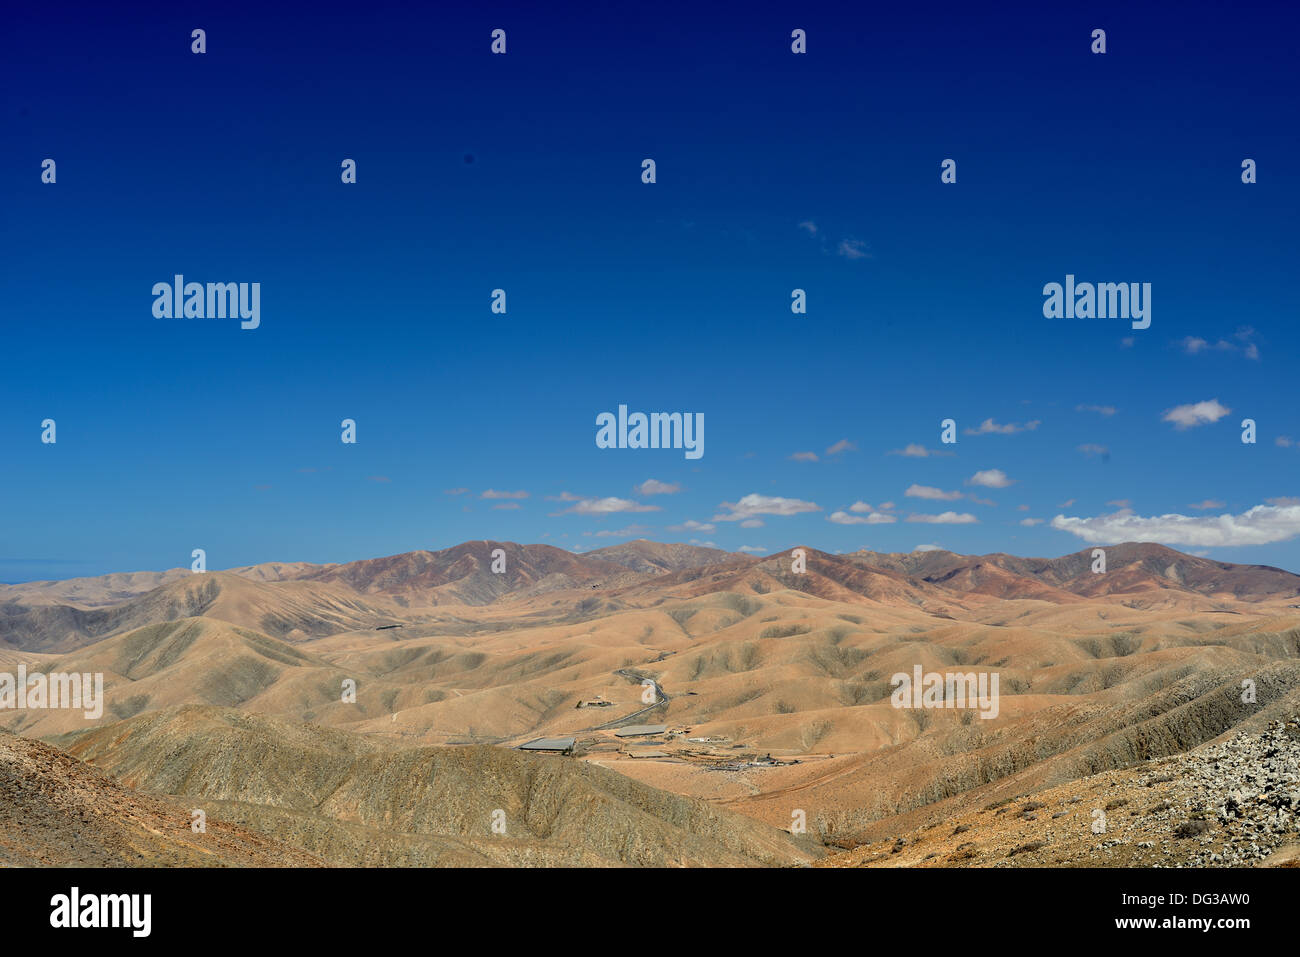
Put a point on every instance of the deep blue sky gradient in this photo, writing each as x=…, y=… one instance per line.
x=176, y=434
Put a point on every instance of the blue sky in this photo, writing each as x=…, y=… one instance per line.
x=775, y=171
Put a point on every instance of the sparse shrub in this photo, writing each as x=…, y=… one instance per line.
x=1191, y=828
x=1026, y=848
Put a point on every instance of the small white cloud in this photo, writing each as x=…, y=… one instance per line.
x=493, y=493
x=628, y=532
x=913, y=450
x=656, y=487
x=753, y=505
x=507, y=506
x=1209, y=503
x=607, y=506
x=1090, y=449
x=1031, y=522
x=753, y=549
x=804, y=457
x=454, y=491
x=928, y=548
x=752, y=523
x=690, y=525
x=990, y=478
x=860, y=507
x=843, y=445
x=1193, y=345
x=853, y=249
x=809, y=227
x=1197, y=413
x=945, y=518
x=1099, y=409
x=846, y=518
x=988, y=426
x=930, y=492
x=1285, y=441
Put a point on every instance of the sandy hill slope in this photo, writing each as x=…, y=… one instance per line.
x=189, y=660
x=1231, y=803
x=359, y=799
x=56, y=811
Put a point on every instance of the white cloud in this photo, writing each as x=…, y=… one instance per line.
x=930, y=492
x=1260, y=525
x=607, y=506
x=928, y=548
x=690, y=525
x=853, y=249
x=875, y=518
x=945, y=518
x=493, y=493
x=656, y=487
x=916, y=451
x=860, y=507
x=620, y=533
x=454, y=491
x=752, y=523
x=753, y=505
x=990, y=478
x=1285, y=441
x=564, y=497
x=753, y=549
x=1209, y=503
x=507, y=506
x=1197, y=413
x=1100, y=409
x=809, y=226
x=1031, y=522
x=1090, y=449
x=804, y=457
x=989, y=426
x=843, y=445
x=1283, y=502
x=1193, y=345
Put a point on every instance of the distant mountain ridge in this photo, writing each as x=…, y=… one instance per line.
x=297, y=600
